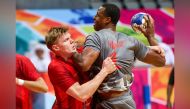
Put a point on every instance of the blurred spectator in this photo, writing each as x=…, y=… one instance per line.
x=40, y=56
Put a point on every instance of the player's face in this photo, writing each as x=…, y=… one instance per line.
x=99, y=19
x=66, y=45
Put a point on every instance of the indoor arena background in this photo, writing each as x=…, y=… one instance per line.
x=150, y=83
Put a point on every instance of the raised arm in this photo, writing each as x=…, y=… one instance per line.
x=155, y=55
x=148, y=31
x=37, y=86
x=86, y=90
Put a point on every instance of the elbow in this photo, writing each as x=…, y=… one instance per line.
x=83, y=98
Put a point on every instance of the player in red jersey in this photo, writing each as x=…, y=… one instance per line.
x=63, y=75
x=27, y=79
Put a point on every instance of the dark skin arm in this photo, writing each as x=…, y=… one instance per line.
x=86, y=58
x=155, y=56
x=148, y=30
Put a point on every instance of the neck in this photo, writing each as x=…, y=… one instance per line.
x=110, y=26
x=64, y=56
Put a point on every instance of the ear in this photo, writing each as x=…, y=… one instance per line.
x=108, y=20
x=55, y=48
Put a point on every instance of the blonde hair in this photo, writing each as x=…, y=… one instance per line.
x=53, y=34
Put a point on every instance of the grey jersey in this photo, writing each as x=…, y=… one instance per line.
x=121, y=47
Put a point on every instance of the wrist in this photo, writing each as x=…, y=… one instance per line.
x=149, y=37
x=104, y=71
x=20, y=82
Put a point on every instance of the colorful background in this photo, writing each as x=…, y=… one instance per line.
x=33, y=25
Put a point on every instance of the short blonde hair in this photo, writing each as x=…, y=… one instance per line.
x=53, y=34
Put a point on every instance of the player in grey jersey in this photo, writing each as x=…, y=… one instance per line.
x=114, y=92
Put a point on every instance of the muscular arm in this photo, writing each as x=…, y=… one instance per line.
x=86, y=90
x=37, y=86
x=152, y=41
x=154, y=58
x=86, y=58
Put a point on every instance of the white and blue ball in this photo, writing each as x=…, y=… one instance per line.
x=138, y=20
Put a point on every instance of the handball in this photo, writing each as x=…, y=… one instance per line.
x=137, y=21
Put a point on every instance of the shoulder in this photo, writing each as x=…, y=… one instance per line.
x=21, y=57
x=55, y=68
x=54, y=64
x=94, y=34
x=94, y=37
x=100, y=32
x=23, y=60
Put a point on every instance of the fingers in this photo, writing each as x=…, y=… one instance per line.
x=112, y=55
x=149, y=20
x=109, y=61
x=162, y=52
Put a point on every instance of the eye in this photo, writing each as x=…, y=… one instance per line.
x=66, y=39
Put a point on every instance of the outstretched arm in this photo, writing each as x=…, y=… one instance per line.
x=86, y=90
x=37, y=86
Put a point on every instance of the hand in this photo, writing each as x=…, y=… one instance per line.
x=19, y=81
x=148, y=28
x=108, y=65
x=158, y=50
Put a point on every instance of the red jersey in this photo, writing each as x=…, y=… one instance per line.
x=63, y=75
x=24, y=70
